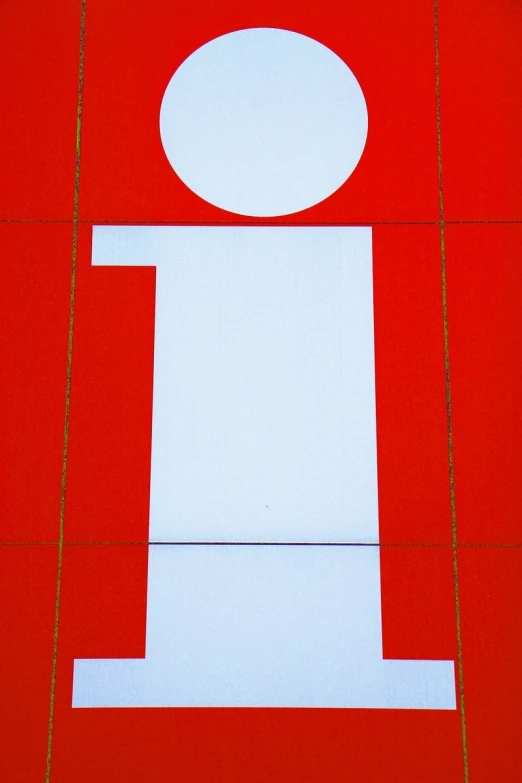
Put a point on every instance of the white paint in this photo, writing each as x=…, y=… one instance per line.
x=264, y=405
x=264, y=626
x=263, y=122
x=264, y=389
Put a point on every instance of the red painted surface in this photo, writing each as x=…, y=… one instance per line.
x=34, y=307
x=389, y=48
x=492, y=645
x=109, y=458
x=131, y=52
x=28, y=590
x=480, y=73
x=39, y=46
x=485, y=302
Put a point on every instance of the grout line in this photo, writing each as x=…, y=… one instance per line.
x=259, y=543
x=28, y=543
x=67, y=390
x=230, y=223
x=382, y=544
x=482, y=222
x=226, y=223
x=460, y=667
x=35, y=220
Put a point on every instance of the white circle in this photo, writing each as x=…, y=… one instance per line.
x=263, y=122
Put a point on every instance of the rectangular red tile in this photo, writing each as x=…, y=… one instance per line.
x=412, y=439
x=111, y=404
x=418, y=602
x=490, y=587
x=28, y=589
x=253, y=746
x=481, y=113
x=39, y=58
x=132, y=52
x=103, y=614
x=34, y=301
x=484, y=303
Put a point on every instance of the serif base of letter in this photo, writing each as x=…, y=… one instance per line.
x=264, y=626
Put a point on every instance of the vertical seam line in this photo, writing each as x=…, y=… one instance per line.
x=74, y=251
x=460, y=668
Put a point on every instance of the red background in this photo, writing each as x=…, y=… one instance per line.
x=131, y=51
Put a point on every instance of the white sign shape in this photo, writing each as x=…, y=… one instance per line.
x=263, y=122
x=264, y=572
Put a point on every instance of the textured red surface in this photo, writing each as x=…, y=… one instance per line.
x=480, y=73
x=39, y=65
x=131, y=51
x=28, y=590
x=389, y=47
x=34, y=303
x=485, y=303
